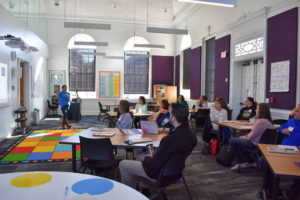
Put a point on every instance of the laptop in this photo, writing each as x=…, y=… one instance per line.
x=149, y=127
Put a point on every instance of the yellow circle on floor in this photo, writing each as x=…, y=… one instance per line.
x=31, y=180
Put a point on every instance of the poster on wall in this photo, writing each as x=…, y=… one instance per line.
x=280, y=76
x=57, y=78
x=109, y=84
x=4, y=80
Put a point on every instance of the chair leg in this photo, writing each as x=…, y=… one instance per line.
x=187, y=188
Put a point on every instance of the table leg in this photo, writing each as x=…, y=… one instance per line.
x=74, y=158
x=275, y=188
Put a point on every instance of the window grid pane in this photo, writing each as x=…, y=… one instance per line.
x=81, y=70
x=136, y=73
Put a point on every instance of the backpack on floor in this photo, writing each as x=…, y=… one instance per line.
x=225, y=156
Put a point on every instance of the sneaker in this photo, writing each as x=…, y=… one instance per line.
x=254, y=165
x=239, y=166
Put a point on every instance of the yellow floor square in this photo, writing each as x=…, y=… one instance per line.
x=55, y=131
x=68, y=134
x=44, y=149
x=27, y=144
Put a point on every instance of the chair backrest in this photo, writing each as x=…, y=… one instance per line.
x=203, y=113
x=279, y=121
x=96, y=149
x=269, y=136
x=54, y=100
x=172, y=170
x=49, y=104
x=229, y=114
x=100, y=105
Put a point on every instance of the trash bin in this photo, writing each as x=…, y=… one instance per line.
x=36, y=117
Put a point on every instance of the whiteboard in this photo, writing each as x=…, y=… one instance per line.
x=109, y=84
x=280, y=76
x=4, y=85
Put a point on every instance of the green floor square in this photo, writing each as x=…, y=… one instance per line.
x=50, y=139
x=77, y=154
x=15, y=157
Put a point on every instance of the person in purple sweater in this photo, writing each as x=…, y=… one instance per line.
x=242, y=145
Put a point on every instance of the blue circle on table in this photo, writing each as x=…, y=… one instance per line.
x=93, y=186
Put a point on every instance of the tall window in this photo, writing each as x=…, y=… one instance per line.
x=210, y=69
x=186, y=69
x=136, y=72
x=81, y=70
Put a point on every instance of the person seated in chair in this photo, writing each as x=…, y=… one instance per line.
x=182, y=101
x=181, y=139
x=240, y=146
x=248, y=111
x=164, y=105
x=125, y=119
x=140, y=108
x=218, y=114
x=292, y=131
x=203, y=102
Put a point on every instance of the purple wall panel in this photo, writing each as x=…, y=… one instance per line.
x=282, y=31
x=222, y=68
x=196, y=73
x=177, y=73
x=162, y=70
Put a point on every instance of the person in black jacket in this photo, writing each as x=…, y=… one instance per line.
x=181, y=139
x=248, y=111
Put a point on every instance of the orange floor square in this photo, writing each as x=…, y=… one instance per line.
x=48, y=143
x=27, y=144
x=69, y=131
x=44, y=149
x=62, y=155
x=68, y=134
x=33, y=139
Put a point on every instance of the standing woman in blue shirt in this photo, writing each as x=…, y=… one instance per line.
x=64, y=99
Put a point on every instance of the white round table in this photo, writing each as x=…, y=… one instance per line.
x=63, y=186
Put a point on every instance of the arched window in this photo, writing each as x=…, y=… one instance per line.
x=81, y=37
x=136, y=67
x=82, y=66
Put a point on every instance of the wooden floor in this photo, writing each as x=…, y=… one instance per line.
x=207, y=179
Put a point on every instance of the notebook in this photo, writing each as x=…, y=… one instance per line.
x=149, y=127
x=283, y=149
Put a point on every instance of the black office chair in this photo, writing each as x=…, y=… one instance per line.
x=102, y=112
x=169, y=174
x=201, y=117
x=97, y=154
x=54, y=100
x=52, y=108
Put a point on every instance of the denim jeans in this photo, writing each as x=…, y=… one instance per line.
x=241, y=148
x=65, y=111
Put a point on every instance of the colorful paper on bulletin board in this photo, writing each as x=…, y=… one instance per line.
x=109, y=84
x=57, y=78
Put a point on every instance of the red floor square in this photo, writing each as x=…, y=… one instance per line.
x=22, y=150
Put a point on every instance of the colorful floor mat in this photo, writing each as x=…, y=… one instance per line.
x=41, y=146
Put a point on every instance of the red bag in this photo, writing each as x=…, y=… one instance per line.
x=214, y=144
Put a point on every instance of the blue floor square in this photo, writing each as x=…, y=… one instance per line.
x=63, y=148
x=40, y=156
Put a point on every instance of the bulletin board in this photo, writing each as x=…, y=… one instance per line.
x=57, y=78
x=280, y=76
x=109, y=84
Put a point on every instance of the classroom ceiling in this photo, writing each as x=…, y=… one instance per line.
x=159, y=11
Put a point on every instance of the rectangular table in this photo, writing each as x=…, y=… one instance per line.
x=117, y=141
x=149, y=113
x=279, y=165
x=238, y=125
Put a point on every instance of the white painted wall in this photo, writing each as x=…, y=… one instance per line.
x=10, y=25
x=246, y=21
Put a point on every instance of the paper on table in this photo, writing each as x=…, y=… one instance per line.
x=246, y=127
x=84, y=196
x=105, y=134
x=288, y=147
